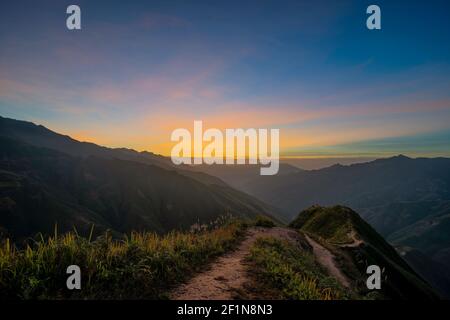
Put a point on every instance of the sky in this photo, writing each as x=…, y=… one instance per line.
x=137, y=70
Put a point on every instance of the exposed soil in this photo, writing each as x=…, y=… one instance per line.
x=226, y=277
x=356, y=242
x=326, y=259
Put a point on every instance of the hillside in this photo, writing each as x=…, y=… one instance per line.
x=406, y=200
x=53, y=184
x=435, y=273
x=52, y=179
x=242, y=177
x=226, y=260
x=356, y=245
x=40, y=136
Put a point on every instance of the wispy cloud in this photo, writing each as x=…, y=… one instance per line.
x=131, y=78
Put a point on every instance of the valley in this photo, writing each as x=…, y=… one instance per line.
x=51, y=185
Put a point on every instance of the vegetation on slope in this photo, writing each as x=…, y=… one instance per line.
x=40, y=187
x=291, y=272
x=140, y=266
x=357, y=245
x=263, y=221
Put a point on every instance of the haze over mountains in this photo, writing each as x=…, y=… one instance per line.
x=406, y=200
x=47, y=178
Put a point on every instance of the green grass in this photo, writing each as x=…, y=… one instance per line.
x=263, y=221
x=333, y=227
x=141, y=265
x=291, y=272
x=331, y=223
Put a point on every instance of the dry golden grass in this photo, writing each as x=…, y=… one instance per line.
x=141, y=265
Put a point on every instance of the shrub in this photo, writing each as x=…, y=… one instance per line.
x=263, y=221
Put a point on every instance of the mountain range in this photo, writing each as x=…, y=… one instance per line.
x=48, y=179
x=406, y=200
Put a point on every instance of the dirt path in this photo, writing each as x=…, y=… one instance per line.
x=356, y=242
x=326, y=258
x=228, y=273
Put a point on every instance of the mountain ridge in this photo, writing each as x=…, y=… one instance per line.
x=41, y=186
x=356, y=244
x=406, y=199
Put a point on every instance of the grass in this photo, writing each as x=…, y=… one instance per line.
x=334, y=224
x=139, y=266
x=263, y=221
x=333, y=227
x=291, y=272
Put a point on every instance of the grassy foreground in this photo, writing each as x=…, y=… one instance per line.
x=139, y=266
x=292, y=273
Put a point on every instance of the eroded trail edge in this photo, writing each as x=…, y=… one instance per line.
x=326, y=259
x=228, y=273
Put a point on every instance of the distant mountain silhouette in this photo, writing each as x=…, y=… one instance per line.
x=406, y=200
x=47, y=178
x=241, y=177
x=40, y=136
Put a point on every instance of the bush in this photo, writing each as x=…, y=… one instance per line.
x=263, y=221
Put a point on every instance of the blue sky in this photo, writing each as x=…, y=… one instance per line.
x=139, y=69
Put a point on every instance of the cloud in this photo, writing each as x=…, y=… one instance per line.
x=132, y=83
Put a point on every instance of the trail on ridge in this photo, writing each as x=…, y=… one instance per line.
x=228, y=273
x=326, y=258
